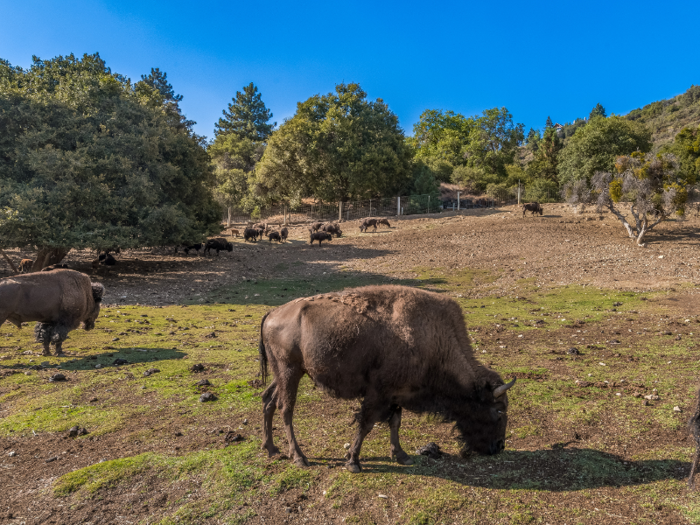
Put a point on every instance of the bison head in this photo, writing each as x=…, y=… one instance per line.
x=483, y=423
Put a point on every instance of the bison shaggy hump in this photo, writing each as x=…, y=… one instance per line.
x=393, y=346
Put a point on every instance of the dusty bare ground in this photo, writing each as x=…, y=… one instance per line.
x=558, y=248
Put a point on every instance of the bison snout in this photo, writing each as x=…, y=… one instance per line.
x=497, y=447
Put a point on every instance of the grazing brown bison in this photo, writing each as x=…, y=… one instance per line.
x=25, y=265
x=319, y=236
x=333, y=229
x=533, y=207
x=385, y=222
x=218, y=244
x=284, y=233
x=316, y=226
x=274, y=236
x=60, y=300
x=368, y=223
x=393, y=346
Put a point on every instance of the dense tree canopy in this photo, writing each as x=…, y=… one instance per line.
x=597, y=111
x=88, y=160
x=546, y=159
x=336, y=147
x=595, y=147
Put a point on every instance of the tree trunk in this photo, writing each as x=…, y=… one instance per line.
x=623, y=220
x=228, y=223
x=9, y=262
x=48, y=256
x=642, y=232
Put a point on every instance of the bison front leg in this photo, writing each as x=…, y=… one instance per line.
x=370, y=413
x=396, y=451
x=269, y=399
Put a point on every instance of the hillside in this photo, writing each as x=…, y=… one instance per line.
x=665, y=118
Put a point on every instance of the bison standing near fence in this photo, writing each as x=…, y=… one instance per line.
x=532, y=207
x=319, y=236
x=60, y=300
x=274, y=236
x=284, y=233
x=250, y=234
x=316, y=226
x=367, y=223
x=333, y=229
x=393, y=346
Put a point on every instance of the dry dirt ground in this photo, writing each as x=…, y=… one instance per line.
x=584, y=444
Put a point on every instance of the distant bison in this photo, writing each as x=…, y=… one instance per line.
x=107, y=259
x=384, y=222
x=316, y=226
x=218, y=244
x=368, y=223
x=60, y=300
x=284, y=233
x=274, y=236
x=58, y=266
x=194, y=247
x=25, y=265
x=319, y=236
x=333, y=229
x=260, y=226
x=394, y=347
x=250, y=234
x=533, y=207
x=234, y=233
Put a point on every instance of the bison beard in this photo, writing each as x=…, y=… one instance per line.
x=395, y=347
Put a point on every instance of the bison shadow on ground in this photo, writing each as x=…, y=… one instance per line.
x=557, y=470
x=107, y=359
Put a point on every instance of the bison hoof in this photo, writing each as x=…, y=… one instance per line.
x=404, y=459
x=355, y=468
x=271, y=450
x=301, y=462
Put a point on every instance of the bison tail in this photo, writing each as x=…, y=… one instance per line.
x=98, y=290
x=262, y=352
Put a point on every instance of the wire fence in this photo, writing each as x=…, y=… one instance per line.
x=385, y=207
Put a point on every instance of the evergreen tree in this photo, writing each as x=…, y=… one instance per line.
x=549, y=124
x=597, y=111
x=247, y=116
x=158, y=80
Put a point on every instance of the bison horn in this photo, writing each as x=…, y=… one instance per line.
x=499, y=391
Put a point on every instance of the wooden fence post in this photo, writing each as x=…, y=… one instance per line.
x=9, y=262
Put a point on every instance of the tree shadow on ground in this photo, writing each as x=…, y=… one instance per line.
x=106, y=360
x=559, y=470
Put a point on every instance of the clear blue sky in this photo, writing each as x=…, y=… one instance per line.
x=535, y=58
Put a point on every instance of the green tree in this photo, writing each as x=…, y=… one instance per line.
x=494, y=142
x=87, y=160
x=247, y=116
x=158, y=80
x=595, y=147
x=442, y=136
x=424, y=180
x=686, y=147
x=597, y=111
x=549, y=124
x=336, y=147
x=546, y=161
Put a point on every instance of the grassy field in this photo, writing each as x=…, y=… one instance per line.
x=582, y=446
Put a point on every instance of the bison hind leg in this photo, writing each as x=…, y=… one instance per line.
x=269, y=399
x=396, y=451
x=51, y=333
x=42, y=334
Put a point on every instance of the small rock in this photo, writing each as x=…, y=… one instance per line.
x=203, y=382
x=431, y=450
x=573, y=351
x=57, y=377
x=652, y=397
x=245, y=421
x=197, y=368
x=584, y=384
x=93, y=400
x=211, y=335
x=98, y=366
x=28, y=352
x=207, y=396
x=150, y=371
x=178, y=434
x=12, y=453
x=382, y=496
x=645, y=403
x=115, y=339
x=677, y=409
x=255, y=383
x=52, y=459
x=617, y=304
x=346, y=446
x=119, y=361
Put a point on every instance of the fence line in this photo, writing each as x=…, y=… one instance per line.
x=384, y=207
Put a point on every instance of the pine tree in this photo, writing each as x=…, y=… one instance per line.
x=549, y=124
x=159, y=80
x=247, y=116
x=597, y=111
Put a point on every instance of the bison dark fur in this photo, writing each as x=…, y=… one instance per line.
x=194, y=247
x=316, y=226
x=367, y=223
x=394, y=347
x=319, y=236
x=250, y=234
x=533, y=207
x=218, y=244
x=333, y=229
x=284, y=233
x=385, y=222
x=274, y=236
